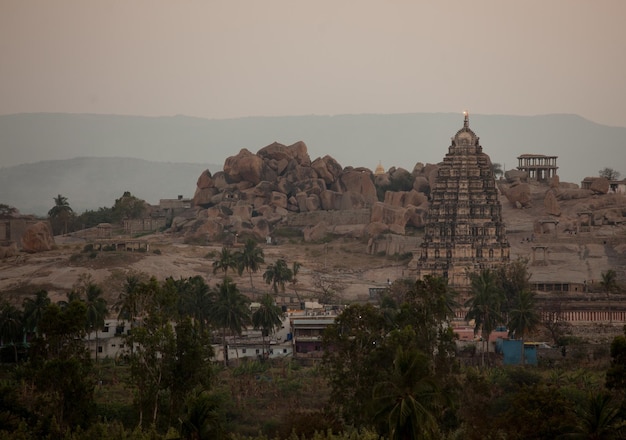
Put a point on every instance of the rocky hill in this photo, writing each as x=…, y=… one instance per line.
x=256, y=193
x=260, y=194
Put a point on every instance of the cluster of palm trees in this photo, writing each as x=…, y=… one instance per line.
x=223, y=308
x=249, y=259
x=229, y=309
x=502, y=297
x=18, y=326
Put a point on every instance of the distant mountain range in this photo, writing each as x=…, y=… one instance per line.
x=91, y=183
x=401, y=140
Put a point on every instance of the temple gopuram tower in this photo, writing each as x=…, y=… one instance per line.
x=464, y=231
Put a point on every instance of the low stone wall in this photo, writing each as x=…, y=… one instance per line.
x=347, y=217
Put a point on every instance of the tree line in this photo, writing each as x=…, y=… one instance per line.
x=63, y=219
x=391, y=368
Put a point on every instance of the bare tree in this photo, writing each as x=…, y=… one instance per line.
x=553, y=320
x=609, y=173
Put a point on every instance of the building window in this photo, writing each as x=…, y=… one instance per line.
x=105, y=329
x=257, y=351
x=99, y=348
x=243, y=350
x=284, y=350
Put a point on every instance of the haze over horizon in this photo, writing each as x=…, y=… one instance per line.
x=234, y=58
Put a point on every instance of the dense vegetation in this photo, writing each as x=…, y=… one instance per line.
x=63, y=218
x=390, y=370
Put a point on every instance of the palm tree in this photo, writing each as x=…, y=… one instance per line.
x=11, y=326
x=599, y=419
x=204, y=417
x=295, y=268
x=225, y=261
x=278, y=274
x=230, y=312
x=250, y=258
x=484, y=305
x=195, y=299
x=71, y=296
x=61, y=211
x=127, y=304
x=406, y=404
x=609, y=284
x=523, y=317
x=34, y=309
x=268, y=317
x=96, y=309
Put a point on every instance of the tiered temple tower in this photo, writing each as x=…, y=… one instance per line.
x=464, y=230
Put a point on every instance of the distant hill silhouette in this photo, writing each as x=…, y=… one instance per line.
x=91, y=183
x=399, y=140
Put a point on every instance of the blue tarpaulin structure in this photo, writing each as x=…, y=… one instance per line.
x=512, y=352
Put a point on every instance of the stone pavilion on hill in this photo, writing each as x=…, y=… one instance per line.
x=464, y=231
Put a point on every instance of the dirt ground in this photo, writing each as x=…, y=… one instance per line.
x=341, y=266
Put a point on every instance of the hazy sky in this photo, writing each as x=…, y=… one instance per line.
x=233, y=58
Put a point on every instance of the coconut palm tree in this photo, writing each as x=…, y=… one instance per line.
x=195, y=299
x=278, y=274
x=34, y=309
x=250, y=258
x=268, y=317
x=204, y=417
x=225, y=261
x=523, y=317
x=127, y=304
x=11, y=326
x=96, y=309
x=407, y=403
x=609, y=284
x=230, y=312
x=599, y=419
x=295, y=268
x=484, y=305
x=61, y=211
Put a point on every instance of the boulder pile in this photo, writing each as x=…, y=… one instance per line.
x=256, y=192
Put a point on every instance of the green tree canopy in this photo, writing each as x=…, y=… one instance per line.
x=278, y=274
x=11, y=326
x=249, y=258
x=230, y=312
x=485, y=304
x=34, y=309
x=268, y=317
x=406, y=405
x=61, y=215
x=129, y=206
x=226, y=260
